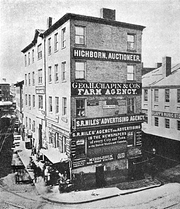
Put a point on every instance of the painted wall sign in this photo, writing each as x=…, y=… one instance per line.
x=105, y=89
x=121, y=119
x=166, y=114
x=104, y=55
x=40, y=89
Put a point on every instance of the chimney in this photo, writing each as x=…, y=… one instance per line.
x=49, y=22
x=166, y=66
x=108, y=14
x=158, y=64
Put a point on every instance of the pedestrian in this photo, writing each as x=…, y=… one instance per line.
x=46, y=172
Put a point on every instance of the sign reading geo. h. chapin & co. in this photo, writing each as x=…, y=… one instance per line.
x=105, y=89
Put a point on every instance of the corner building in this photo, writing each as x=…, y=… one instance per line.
x=91, y=89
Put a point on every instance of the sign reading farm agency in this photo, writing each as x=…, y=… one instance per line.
x=106, y=55
x=122, y=119
x=104, y=89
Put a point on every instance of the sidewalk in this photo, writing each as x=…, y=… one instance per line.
x=77, y=197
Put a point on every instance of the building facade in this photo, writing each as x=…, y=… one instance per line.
x=83, y=92
x=161, y=103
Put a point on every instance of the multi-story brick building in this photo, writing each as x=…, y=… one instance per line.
x=83, y=92
x=161, y=103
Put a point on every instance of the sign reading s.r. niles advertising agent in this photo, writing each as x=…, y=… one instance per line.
x=106, y=55
x=105, y=89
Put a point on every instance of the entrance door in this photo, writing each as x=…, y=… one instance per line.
x=40, y=136
x=100, y=181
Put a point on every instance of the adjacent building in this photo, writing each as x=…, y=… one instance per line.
x=161, y=103
x=82, y=93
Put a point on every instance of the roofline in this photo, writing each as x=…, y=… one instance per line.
x=69, y=16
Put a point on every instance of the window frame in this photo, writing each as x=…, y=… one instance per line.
x=64, y=106
x=29, y=60
x=40, y=102
x=33, y=78
x=167, y=123
x=131, y=73
x=50, y=104
x=145, y=95
x=63, y=38
x=40, y=76
x=167, y=95
x=49, y=46
x=80, y=36
x=56, y=41
x=178, y=125
x=29, y=79
x=39, y=51
x=129, y=43
x=79, y=71
x=50, y=74
x=56, y=105
x=63, y=67
x=29, y=100
x=32, y=55
x=130, y=105
x=178, y=95
x=156, y=95
x=56, y=73
x=34, y=103
x=81, y=108
x=156, y=121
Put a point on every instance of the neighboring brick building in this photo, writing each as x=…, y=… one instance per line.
x=83, y=92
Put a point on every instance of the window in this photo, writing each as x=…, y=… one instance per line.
x=130, y=105
x=80, y=108
x=25, y=59
x=156, y=95
x=40, y=76
x=29, y=100
x=57, y=104
x=80, y=70
x=25, y=79
x=33, y=100
x=63, y=37
x=178, y=95
x=29, y=123
x=50, y=74
x=130, y=72
x=26, y=122
x=33, y=56
x=49, y=46
x=63, y=71
x=156, y=121
x=33, y=126
x=25, y=99
x=56, y=42
x=56, y=73
x=167, y=123
x=33, y=79
x=29, y=79
x=40, y=101
x=28, y=58
x=64, y=106
x=64, y=143
x=79, y=35
x=145, y=95
x=167, y=95
x=50, y=104
x=39, y=51
x=178, y=125
x=131, y=42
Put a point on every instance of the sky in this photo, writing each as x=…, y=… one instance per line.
x=20, y=18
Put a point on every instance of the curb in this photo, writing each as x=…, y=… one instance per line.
x=101, y=198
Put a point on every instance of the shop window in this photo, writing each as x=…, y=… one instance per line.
x=167, y=95
x=130, y=72
x=156, y=95
x=131, y=42
x=80, y=107
x=80, y=35
x=130, y=105
x=56, y=42
x=80, y=69
x=178, y=95
x=167, y=123
x=145, y=95
x=156, y=121
x=63, y=37
x=178, y=125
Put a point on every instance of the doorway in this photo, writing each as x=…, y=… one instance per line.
x=100, y=180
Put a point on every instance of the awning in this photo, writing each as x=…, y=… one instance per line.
x=54, y=155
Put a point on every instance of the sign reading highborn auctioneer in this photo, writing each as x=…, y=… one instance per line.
x=105, y=89
x=104, y=55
